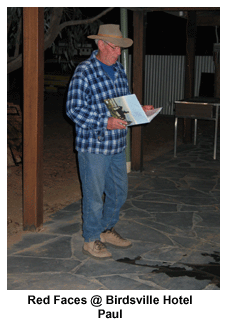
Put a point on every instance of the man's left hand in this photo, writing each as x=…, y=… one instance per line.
x=147, y=107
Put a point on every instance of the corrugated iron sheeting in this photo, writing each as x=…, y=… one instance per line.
x=164, y=79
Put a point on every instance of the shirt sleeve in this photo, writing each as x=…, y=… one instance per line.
x=78, y=107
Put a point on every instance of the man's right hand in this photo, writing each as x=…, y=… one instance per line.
x=114, y=123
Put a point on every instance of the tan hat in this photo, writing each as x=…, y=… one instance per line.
x=111, y=33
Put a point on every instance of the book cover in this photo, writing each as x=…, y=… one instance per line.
x=129, y=109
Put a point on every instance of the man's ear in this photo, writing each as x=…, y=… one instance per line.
x=101, y=44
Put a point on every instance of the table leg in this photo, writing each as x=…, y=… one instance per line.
x=175, y=138
x=216, y=132
x=195, y=131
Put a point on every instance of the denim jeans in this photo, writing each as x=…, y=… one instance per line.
x=102, y=174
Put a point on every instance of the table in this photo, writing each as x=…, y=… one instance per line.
x=206, y=108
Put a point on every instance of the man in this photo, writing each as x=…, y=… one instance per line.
x=100, y=140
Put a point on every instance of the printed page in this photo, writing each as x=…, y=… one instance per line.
x=128, y=108
x=152, y=113
x=136, y=112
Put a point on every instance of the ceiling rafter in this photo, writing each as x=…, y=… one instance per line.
x=174, y=8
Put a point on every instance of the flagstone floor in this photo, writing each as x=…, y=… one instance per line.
x=172, y=217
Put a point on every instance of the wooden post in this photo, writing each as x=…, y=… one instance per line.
x=124, y=61
x=189, y=69
x=137, y=85
x=217, y=70
x=33, y=78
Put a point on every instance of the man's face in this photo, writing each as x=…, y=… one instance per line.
x=109, y=53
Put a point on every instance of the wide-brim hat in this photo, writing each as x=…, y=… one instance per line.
x=111, y=33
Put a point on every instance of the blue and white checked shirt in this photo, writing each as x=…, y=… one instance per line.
x=85, y=106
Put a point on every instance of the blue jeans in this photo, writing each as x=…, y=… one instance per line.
x=102, y=174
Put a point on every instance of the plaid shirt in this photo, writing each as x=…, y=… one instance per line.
x=85, y=106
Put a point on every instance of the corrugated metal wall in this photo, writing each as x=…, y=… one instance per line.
x=164, y=79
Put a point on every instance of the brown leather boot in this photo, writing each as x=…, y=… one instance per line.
x=96, y=249
x=114, y=239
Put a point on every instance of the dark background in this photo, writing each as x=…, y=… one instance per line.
x=165, y=33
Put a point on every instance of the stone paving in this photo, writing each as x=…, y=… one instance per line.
x=172, y=217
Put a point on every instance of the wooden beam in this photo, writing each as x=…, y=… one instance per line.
x=173, y=8
x=137, y=85
x=33, y=77
x=208, y=20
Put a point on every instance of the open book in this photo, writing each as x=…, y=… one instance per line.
x=129, y=109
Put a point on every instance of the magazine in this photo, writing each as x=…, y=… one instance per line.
x=129, y=109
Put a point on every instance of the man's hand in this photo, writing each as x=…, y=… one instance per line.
x=147, y=107
x=114, y=123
